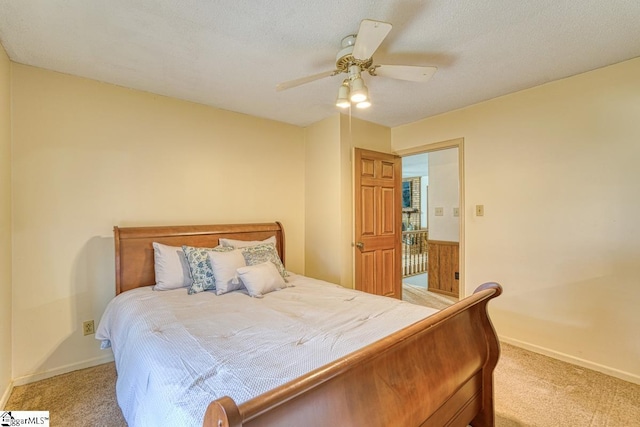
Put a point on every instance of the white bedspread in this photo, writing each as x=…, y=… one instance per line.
x=175, y=352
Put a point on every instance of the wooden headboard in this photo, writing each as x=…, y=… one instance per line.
x=134, y=250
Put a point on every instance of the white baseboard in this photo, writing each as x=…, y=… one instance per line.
x=626, y=376
x=62, y=370
x=5, y=396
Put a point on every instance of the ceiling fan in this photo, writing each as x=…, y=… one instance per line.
x=356, y=57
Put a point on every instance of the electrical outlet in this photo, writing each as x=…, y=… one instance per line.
x=88, y=327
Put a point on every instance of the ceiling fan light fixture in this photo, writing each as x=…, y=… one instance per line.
x=364, y=104
x=359, y=91
x=343, y=96
x=355, y=58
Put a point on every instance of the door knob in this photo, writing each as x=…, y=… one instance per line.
x=360, y=245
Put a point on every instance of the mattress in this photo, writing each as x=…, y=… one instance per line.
x=175, y=353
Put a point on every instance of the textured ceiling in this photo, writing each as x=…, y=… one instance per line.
x=231, y=54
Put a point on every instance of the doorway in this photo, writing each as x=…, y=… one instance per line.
x=431, y=224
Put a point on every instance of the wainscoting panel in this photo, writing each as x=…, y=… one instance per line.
x=444, y=267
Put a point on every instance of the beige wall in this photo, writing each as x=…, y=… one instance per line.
x=329, y=192
x=5, y=224
x=88, y=156
x=443, y=193
x=557, y=170
x=323, y=200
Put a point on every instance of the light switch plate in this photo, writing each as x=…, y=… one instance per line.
x=456, y=211
x=479, y=210
x=439, y=211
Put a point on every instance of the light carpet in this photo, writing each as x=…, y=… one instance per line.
x=84, y=398
x=535, y=390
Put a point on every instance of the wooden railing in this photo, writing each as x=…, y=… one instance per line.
x=414, y=252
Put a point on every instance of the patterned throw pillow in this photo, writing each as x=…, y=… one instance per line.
x=258, y=254
x=200, y=267
x=244, y=243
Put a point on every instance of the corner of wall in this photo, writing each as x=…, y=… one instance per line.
x=6, y=351
x=5, y=396
x=322, y=182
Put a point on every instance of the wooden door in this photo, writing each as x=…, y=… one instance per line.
x=378, y=223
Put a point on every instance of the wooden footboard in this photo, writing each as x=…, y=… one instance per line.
x=437, y=372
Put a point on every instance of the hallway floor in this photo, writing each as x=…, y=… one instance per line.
x=420, y=280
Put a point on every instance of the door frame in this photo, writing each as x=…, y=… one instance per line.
x=444, y=145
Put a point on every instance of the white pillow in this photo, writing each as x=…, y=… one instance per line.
x=261, y=279
x=246, y=243
x=224, y=266
x=171, y=267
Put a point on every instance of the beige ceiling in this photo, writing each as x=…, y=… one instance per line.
x=231, y=54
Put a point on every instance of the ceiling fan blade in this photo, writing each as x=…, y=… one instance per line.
x=370, y=36
x=405, y=72
x=303, y=80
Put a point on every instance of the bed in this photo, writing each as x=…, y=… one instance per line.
x=424, y=368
